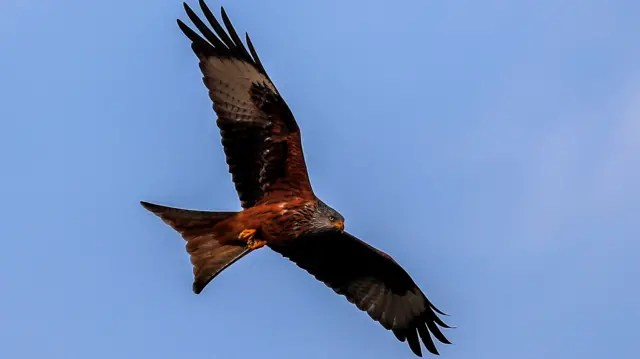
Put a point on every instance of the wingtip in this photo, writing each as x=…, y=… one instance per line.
x=438, y=310
x=153, y=208
x=182, y=25
x=197, y=288
x=204, y=6
x=445, y=325
x=441, y=323
x=446, y=341
x=225, y=17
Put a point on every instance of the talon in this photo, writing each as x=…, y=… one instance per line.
x=253, y=244
x=247, y=234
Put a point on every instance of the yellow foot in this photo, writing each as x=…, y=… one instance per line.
x=247, y=234
x=253, y=244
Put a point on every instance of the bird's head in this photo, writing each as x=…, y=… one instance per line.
x=327, y=219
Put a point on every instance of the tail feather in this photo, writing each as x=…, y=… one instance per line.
x=208, y=256
x=188, y=222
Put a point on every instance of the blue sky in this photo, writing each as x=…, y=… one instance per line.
x=493, y=148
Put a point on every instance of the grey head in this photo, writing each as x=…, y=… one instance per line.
x=326, y=219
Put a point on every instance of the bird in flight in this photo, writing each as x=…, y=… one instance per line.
x=263, y=149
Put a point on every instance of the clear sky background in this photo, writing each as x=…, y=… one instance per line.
x=492, y=147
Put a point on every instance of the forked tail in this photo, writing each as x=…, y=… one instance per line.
x=208, y=256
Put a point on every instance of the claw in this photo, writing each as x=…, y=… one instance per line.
x=247, y=234
x=253, y=244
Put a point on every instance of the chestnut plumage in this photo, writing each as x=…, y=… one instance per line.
x=262, y=144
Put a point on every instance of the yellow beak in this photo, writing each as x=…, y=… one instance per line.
x=339, y=225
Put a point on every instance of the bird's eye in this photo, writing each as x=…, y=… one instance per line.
x=332, y=218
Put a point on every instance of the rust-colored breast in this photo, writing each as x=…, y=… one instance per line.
x=275, y=222
x=289, y=220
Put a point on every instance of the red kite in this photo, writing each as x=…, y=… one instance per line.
x=261, y=140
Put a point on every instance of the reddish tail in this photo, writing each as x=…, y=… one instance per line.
x=208, y=256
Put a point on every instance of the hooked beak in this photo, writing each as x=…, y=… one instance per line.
x=339, y=225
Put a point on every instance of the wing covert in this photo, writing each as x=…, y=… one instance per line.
x=260, y=136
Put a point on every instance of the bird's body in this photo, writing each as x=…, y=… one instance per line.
x=275, y=224
x=263, y=148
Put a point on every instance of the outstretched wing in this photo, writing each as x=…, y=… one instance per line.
x=260, y=136
x=373, y=281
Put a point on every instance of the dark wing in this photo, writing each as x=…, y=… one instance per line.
x=373, y=281
x=260, y=136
